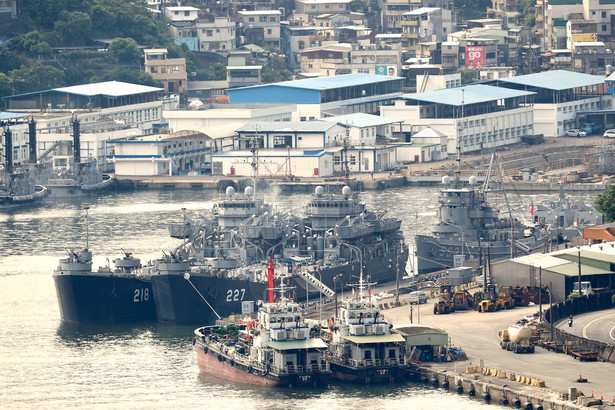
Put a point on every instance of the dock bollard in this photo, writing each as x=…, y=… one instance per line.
x=487, y=397
x=445, y=384
x=504, y=401
x=435, y=382
x=529, y=406
x=517, y=403
x=459, y=389
x=472, y=392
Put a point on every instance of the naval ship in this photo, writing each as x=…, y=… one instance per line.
x=467, y=227
x=218, y=270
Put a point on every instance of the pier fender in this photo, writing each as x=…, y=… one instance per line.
x=529, y=406
x=249, y=370
x=231, y=362
x=193, y=341
x=445, y=384
x=504, y=401
x=517, y=403
x=459, y=389
x=487, y=397
x=539, y=407
x=472, y=392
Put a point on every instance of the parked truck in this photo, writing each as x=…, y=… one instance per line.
x=517, y=338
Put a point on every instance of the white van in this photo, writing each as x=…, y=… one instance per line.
x=417, y=298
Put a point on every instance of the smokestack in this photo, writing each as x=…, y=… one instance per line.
x=32, y=140
x=76, y=142
x=8, y=149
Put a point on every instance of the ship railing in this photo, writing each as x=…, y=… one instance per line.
x=391, y=362
x=312, y=367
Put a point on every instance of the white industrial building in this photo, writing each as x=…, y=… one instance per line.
x=560, y=96
x=479, y=116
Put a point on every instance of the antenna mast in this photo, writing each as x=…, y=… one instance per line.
x=460, y=129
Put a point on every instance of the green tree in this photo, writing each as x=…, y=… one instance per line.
x=605, y=203
x=39, y=77
x=215, y=72
x=5, y=85
x=275, y=70
x=73, y=28
x=468, y=75
x=125, y=50
x=358, y=5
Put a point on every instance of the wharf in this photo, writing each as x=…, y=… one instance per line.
x=541, y=379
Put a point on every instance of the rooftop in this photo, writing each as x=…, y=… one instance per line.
x=421, y=10
x=337, y=81
x=285, y=126
x=555, y=80
x=472, y=94
x=360, y=120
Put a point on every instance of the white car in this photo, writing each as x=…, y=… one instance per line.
x=609, y=133
x=576, y=133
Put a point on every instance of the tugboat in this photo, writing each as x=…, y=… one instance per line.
x=275, y=349
x=467, y=226
x=106, y=296
x=362, y=347
x=566, y=218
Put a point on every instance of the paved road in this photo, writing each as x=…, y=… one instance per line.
x=477, y=334
x=595, y=325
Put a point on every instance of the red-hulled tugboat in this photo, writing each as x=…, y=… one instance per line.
x=275, y=349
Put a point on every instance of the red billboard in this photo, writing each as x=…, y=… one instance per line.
x=475, y=57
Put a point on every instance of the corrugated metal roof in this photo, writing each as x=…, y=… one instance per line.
x=472, y=94
x=286, y=126
x=273, y=153
x=555, y=80
x=11, y=115
x=572, y=269
x=110, y=88
x=428, y=133
x=360, y=120
x=337, y=81
x=221, y=131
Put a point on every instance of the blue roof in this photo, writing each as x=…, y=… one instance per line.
x=555, y=80
x=336, y=81
x=11, y=115
x=472, y=94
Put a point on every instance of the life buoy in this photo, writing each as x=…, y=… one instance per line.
x=219, y=357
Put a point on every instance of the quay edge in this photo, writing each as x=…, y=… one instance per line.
x=498, y=389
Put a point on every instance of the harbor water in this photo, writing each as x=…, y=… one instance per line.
x=48, y=364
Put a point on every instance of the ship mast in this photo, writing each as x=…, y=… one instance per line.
x=460, y=129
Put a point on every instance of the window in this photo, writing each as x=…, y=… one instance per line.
x=604, y=27
x=210, y=33
x=153, y=69
x=251, y=19
x=269, y=31
x=301, y=45
x=604, y=14
x=186, y=13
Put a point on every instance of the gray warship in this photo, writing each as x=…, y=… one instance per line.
x=468, y=227
x=225, y=254
x=565, y=217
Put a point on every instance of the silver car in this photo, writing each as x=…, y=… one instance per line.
x=417, y=298
x=576, y=133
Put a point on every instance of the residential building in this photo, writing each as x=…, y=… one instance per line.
x=216, y=34
x=260, y=27
x=476, y=116
x=603, y=14
x=295, y=39
x=185, y=32
x=505, y=10
x=331, y=20
x=181, y=13
x=314, y=8
x=580, y=31
x=426, y=24
x=171, y=71
x=560, y=97
x=591, y=57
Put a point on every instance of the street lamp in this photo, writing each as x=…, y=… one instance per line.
x=336, y=279
x=460, y=237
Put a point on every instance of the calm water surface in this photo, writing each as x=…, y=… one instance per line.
x=52, y=365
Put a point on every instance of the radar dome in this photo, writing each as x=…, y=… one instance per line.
x=346, y=190
x=319, y=190
x=473, y=180
x=446, y=180
x=248, y=191
x=230, y=190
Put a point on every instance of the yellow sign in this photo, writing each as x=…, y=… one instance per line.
x=584, y=38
